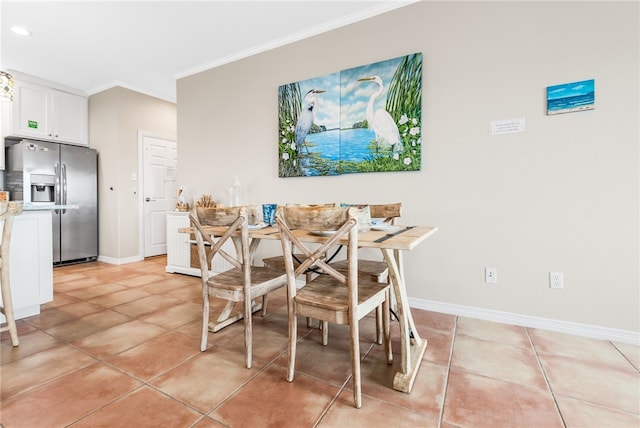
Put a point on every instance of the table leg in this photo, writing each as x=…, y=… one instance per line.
x=412, y=346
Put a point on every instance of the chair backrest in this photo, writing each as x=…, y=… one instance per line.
x=235, y=221
x=388, y=212
x=341, y=220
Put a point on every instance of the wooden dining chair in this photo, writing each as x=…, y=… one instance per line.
x=277, y=262
x=242, y=283
x=8, y=211
x=337, y=297
x=376, y=269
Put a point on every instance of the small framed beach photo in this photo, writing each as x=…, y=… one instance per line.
x=571, y=97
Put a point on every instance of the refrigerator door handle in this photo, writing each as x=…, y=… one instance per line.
x=57, y=187
x=64, y=187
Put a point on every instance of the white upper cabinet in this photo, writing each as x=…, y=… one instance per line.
x=47, y=113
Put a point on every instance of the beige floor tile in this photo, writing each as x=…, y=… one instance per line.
x=166, y=285
x=631, y=353
x=580, y=348
x=175, y=316
x=269, y=400
x=581, y=414
x=60, y=314
x=144, y=407
x=209, y=378
x=478, y=401
x=493, y=332
x=434, y=320
x=118, y=338
x=60, y=299
x=615, y=387
x=156, y=356
x=427, y=395
x=498, y=361
x=146, y=306
x=373, y=413
x=88, y=293
x=83, y=282
x=79, y=328
x=30, y=343
x=119, y=297
x=141, y=279
x=312, y=358
x=29, y=372
x=67, y=399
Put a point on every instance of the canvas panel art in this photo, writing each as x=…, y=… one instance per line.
x=363, y=119
x=571, y=97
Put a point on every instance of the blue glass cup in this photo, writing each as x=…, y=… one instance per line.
x=269, y=213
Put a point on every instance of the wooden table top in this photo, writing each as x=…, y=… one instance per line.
x=405, y=238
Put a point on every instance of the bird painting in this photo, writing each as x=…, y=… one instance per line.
x=380, y=121
x=305, y=118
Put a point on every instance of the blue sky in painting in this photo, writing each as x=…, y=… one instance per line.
x=343, y=87
x=570, y=89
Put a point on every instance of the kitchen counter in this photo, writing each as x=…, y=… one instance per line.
x=48, y=207
x=31, y=262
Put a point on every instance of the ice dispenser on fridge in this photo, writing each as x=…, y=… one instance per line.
x=42, y=188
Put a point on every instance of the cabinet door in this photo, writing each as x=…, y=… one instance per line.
x=31, y=111
x=31, y=262
x=178, y=251
x=70, y=118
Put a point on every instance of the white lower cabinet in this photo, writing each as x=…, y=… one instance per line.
x=182, y=254
x=31, y=263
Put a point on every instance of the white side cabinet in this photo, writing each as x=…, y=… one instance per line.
x=182, y=254
x=47, y=113
x=178, y=245
x=31, y=263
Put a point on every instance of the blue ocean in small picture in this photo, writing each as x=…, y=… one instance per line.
x=571, y=97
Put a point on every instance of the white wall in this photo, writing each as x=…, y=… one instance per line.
x=116, y=115
x=562, y=196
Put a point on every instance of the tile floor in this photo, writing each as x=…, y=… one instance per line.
x=119, y=347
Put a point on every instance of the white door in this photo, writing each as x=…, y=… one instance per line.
x=159, y=191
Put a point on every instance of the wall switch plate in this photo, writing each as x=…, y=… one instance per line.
x=556, y=280
x=490, y=275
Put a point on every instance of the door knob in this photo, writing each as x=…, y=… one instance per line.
x=147, y=199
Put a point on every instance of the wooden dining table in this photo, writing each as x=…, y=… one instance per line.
x=392, y=245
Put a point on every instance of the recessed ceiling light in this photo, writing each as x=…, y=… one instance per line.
x=21, y=31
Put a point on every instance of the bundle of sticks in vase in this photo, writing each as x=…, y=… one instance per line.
x=206, y=201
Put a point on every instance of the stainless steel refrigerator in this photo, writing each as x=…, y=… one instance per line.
x=63, y=178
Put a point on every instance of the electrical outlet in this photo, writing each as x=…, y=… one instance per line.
x=556, y=280
x=491, y=275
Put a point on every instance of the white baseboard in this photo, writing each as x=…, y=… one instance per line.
x=114, y=261
x=578, y=329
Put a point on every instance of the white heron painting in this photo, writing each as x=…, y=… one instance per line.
x=364, y=119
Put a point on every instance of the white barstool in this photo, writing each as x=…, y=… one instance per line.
x=8, y=211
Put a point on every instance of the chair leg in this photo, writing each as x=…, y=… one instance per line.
x=293, y=339
x=264, y=305
x=379, y=327
x=7, y=307
x=248, y=331
x=386, y=327
x=205, y=318
x=324, y=325
x=354, y=329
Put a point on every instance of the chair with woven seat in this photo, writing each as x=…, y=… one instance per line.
x=337, y=297
x=8, y=211
x=242, y=283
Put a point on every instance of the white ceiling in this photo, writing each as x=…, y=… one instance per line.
x=146, y=45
